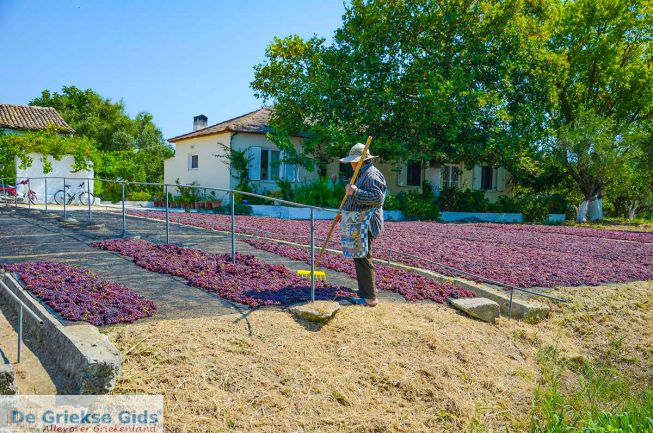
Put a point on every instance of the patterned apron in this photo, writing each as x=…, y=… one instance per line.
x=354, y=233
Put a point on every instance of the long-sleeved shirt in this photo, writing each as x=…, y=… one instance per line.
x=370, y=193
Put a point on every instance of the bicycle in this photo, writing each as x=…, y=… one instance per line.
x=82, y=195
x=30, y=194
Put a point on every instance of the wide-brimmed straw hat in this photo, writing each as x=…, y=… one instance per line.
x=355, y=154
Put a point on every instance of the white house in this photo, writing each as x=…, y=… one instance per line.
x=197, y=154
x=195, y=161
x=17, y=119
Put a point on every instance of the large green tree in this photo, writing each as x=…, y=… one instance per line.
x=102, y=119
x=429, y=79
x=514, y=82
x=130, y=148
x=604, y=92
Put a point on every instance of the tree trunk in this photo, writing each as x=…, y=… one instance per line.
x=631, y=211
x=596, y=209
x=581, y=217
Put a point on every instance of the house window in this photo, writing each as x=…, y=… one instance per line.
x=450, y=176
x=270, y=164
x=414, y=173
x=193, y=162
x=266, y=164
x=487, y=177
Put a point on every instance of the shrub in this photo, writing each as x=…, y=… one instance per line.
x=456, y=200
x=322, y=192
x=138, y=195
x=505, y=204
x=239, y=209
x=419, y=205
x=187, y=194
x=391, y=203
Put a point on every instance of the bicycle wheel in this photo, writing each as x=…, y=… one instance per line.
x=59, y=196
x=32, y=197
x=85, y=197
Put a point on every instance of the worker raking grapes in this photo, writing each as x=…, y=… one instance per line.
x=362, y=221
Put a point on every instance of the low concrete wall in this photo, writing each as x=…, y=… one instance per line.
x=482, y=217
x=7, y=376
x=396, y=215
x=77, y=356
x=522, y=309
x=287, y=212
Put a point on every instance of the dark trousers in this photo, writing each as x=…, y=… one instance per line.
x=365, y=274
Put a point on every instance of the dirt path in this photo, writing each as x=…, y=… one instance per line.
x=31, y=376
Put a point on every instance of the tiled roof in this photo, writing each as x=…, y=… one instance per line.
x=256, y=122
x=26, y=117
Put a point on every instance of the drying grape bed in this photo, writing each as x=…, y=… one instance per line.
x=77, y=294
x=254, y=282
x=249, y=281
x=411, y=286
x=518, y=254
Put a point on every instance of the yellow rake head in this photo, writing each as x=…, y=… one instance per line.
x=319, y=275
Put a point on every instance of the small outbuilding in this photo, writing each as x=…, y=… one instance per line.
x=18, y=119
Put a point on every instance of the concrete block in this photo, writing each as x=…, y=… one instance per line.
x=318, y=311
x=522, y=309
x=68, y=220
x=480, y=308
x=96, y=227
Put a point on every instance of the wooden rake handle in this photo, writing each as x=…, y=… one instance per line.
x=344, y=199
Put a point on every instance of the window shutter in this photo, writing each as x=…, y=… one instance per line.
x=254, y=156
x=501, y=179
x=283, y=174
x=291, y=172
x=477, y=174
x=401, y=176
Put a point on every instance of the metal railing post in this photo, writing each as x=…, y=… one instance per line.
x=45, y=197
x=20, y=311
x=4, y=190
x=167, y=217
x=122, y=198
x=29, y=196
x=233, y=228
x=312, y=255
x=389, y=257
x=65, y=197
x=20, y=331
x=88, y=197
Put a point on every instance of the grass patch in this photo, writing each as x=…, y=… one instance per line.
x=585, y=397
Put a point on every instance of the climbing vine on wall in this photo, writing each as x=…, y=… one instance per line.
x=47, y=142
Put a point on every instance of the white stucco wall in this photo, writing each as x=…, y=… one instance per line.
x=242, y=141
x=211, y=170
x=60, y=169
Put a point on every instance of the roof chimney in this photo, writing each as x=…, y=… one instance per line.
x=200, y=122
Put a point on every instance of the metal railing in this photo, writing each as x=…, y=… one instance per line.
x=22, y=306
x=166, y=187
x=230, y=193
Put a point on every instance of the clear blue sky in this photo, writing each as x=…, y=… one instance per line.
x=174, y=59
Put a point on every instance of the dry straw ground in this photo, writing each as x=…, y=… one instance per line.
x=398, y=367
